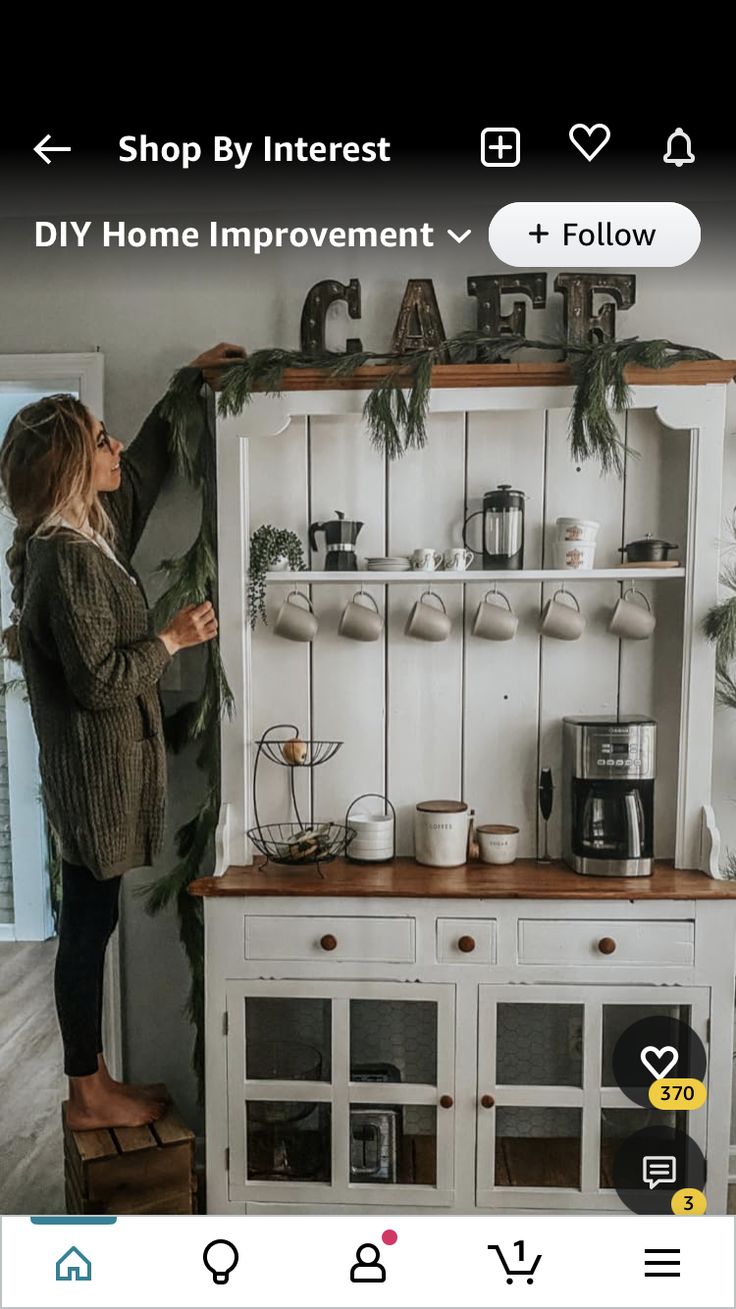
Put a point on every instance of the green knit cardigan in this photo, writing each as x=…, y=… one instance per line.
x=92, y=664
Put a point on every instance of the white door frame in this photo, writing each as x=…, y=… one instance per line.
x=84, y=374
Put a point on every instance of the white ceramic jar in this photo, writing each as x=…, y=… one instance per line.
x=577, y=529
x=577, y=555
x=441, y=833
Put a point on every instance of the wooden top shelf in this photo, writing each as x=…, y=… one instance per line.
x=700, y=373
x=524, y=880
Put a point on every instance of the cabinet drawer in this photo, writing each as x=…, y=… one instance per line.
x=570, y=943
x=381, y=940
x=466, y=940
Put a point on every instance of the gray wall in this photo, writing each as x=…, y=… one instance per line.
x=151, y=314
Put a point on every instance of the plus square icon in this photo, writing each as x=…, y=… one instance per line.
x=500, y=147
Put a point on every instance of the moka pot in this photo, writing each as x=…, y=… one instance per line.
x=341, y=535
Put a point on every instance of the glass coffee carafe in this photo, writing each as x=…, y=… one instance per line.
x=503, y=528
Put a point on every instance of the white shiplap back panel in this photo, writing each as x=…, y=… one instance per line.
x=425, y=679
x=425, y=720
x=348, y=677
x=502, y=677
x=277, y=486
x=426, y=489
x=501, y=716
x=346, y=473
x=651, y=671
x=578, y=677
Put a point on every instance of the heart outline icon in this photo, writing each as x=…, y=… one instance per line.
x=652, y=1050
x=582, y=127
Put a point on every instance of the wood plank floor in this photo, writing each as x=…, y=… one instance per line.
x=31, y=1147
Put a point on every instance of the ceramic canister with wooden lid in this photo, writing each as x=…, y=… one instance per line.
x=442, y=832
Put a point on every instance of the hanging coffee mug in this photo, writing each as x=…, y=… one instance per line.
x=562, y=621
x=492, y=622
x=426, y=622
x=360, y=622
x=295, y=623
x=631, y=621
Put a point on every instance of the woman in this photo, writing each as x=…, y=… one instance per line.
x=83, y=633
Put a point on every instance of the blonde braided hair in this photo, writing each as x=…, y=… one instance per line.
x=46, y=464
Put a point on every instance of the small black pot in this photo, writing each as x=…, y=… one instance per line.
x=649, y=550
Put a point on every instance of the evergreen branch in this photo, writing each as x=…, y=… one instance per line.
x=182, y=409
x=728, y=870
x=719, y=626
x=725, y=688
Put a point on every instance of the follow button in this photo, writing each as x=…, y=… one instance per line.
x=660, y=234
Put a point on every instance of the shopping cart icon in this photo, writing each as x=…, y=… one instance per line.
x=510, y=1272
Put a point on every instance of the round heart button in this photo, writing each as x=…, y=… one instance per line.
x=666, y=1058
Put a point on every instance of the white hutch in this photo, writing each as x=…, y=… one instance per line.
x=461, y=1022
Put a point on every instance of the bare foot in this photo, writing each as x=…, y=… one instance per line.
x=97, y=1107
x=155, y=1091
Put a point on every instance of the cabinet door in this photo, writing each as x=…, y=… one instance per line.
x=550, y=1116
x=341, y=1092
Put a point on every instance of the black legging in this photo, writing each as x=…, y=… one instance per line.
x=89, y=914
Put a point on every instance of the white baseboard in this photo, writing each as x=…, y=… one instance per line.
x=7, y=931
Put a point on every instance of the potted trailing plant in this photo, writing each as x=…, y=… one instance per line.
x=270, y=547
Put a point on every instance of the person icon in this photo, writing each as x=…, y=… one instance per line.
x=368, y=1269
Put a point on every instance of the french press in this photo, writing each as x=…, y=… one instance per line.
x=341, y=535
x=503, y=528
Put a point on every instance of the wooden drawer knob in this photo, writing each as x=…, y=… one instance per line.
x=606, y=945
x=487, y=1101
x=466, y=944
x=446, y=1101
x=328, y=942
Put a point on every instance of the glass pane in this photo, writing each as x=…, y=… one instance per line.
x=537, y=1147
x=539, y=1045
x=287, y=1040
x=617, y=1124
x=617, y=1017
x=288, y=1141
x=393, y=1144
x=393, y=1041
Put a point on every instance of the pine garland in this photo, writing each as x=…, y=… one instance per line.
x=192, y=579
x=397, y=406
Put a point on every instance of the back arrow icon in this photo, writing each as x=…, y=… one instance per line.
x=43, y=148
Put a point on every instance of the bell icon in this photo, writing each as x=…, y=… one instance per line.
x=679, y=149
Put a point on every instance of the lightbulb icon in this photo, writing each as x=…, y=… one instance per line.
x=220, y=1257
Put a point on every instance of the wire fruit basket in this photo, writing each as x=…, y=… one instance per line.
x=293, y=844
x=299, y=843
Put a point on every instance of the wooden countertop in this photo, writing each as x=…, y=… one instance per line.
x=524, y=880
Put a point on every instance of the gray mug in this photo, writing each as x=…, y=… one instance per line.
x=295, y=623
x=426, y=622
x=358, y=621
x=492, y=622
x=631, y=621
x=560, y=620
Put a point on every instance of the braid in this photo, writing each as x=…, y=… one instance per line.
x=16, y=561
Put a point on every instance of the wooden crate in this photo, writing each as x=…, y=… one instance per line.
x=131, y=1170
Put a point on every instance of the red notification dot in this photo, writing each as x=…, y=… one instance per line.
x=389, y=1237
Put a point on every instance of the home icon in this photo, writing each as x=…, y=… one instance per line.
x=73, y=1266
